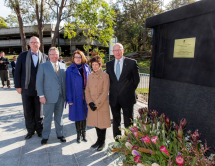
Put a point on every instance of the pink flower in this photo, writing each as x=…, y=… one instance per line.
x=146, y=139
x=163, y=149
x=137, y=159
x=128, y=145
x=155, y=139
x=179, y=161
x=144, y=127
x=134, y=129
x=167, y=120
x=134, y=147
x=128, y=140
x=135, y=153
x=135, y=134
x=196, y=136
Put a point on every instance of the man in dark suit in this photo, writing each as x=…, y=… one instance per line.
x=25, y=83
x=4, y=70
x=13, y=65
x=61, y=59
x=124, y=79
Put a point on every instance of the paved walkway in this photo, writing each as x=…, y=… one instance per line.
x=16, y=151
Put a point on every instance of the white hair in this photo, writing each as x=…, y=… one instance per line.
x=34, y=37
x=118, y=44
x=53, y=48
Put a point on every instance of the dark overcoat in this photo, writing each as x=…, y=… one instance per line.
x=74, y=92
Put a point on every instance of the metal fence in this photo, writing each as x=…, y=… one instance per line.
x=142, y=90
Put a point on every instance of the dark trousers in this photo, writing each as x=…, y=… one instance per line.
x=127, y=115
x=4, y=74
x=33, y=120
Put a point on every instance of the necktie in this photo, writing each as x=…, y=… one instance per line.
x=117, y=70
x=56, y=68
x=33, y=53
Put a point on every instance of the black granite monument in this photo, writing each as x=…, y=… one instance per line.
x=182, y=81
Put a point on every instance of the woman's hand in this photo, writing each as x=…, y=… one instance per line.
x=70, y=103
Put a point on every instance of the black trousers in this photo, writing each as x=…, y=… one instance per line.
x=4, y=74
x=127, y=115
x=33, y=120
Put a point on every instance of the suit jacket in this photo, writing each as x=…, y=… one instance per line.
x=48, y=84
x=13, y=65
x=130, y=72
x=20, y=71
x=5, y=64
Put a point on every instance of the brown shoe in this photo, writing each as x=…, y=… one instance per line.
x=3, y=87
x=9, y=86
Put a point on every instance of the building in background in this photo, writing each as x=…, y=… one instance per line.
x=10, y=41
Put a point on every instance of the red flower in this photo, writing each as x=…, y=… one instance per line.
x=137, y=159
x=155, y=139
x=163, y=149
x=134, y=147
x=135, y=134
x=179, y=161
x=134, y=129
x=146, y=139
x=167, y=120
x=196, y=136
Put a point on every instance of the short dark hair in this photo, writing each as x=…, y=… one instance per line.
x=14, y=57
x=97, y=59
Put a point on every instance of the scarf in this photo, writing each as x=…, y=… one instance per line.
x=28, y=67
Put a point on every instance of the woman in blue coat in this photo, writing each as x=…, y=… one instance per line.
x=76, y=81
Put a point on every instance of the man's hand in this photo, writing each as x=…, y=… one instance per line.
x=70, y=103
x=42, y=100
x=19, y=90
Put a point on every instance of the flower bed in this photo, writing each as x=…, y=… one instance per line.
x=155, y=140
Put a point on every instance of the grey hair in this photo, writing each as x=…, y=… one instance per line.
x=34, y=37
x=118, y=44
x=53, y=48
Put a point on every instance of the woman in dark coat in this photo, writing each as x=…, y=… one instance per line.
x=76, y=81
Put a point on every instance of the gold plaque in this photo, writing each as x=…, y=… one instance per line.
x=184, y=48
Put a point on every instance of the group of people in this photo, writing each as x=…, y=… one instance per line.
x=46, y=85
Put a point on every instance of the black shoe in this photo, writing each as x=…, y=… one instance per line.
x=29, y=135
x=84, y=136
x=101, y=147
x=44, y=141
x=39, y=134
x=62, y=139
x=95, y=145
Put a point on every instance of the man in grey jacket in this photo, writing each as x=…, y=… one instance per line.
x=50, y=84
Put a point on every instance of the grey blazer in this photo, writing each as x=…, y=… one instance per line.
x=47, y=82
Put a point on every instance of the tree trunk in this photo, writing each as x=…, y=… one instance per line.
x=40, y=23
x=59, y=20
x=144, y=39
x=17, y=10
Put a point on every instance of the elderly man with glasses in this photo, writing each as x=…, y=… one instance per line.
x=25, y=83
x=124, y=79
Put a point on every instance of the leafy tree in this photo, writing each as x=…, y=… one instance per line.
x=12, y=21
x=19, y=7
x=95, y=18
x=130, y=22
x=2, y=23
x=178, y=3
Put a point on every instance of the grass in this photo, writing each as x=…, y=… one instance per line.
x=142, y=90
x=10, y=57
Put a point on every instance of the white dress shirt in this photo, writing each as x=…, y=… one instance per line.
x=53, y=65
x=15, y=62
x=35, y=58
x=120, y=63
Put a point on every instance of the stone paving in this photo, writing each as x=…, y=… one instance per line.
x=16, y=151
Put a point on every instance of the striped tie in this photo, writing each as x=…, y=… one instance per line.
x=56, y=68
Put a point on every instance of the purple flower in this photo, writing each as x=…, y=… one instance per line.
x=135, y=153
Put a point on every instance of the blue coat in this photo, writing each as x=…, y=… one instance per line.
x=74, y=92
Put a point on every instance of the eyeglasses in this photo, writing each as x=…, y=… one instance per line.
x=120, y=50
x=77, y=57
x=34, y=43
